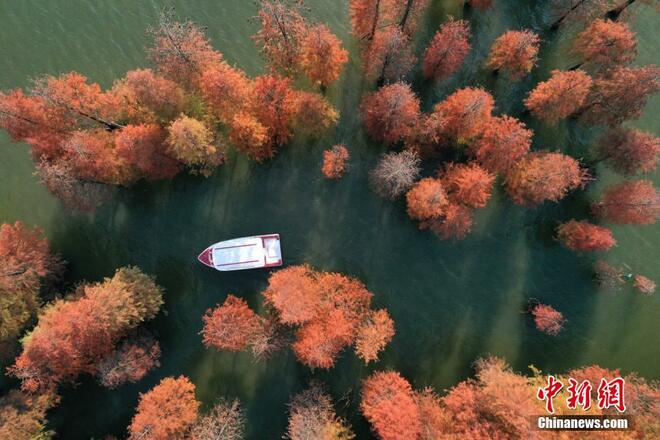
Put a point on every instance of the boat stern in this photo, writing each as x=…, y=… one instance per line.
x=205, y=257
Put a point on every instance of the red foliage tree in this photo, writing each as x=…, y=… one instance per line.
x=180, y=50
x=542, y=176
x=72, y=336
x=605, y=44
x=293, y=293
x=634, y=202
x=389, y=56
x=276, y=106
x=456, y=222
x=251, y=137
x=388, y=403
x=166, y=412
x=226, y=89
x=391, y=113
x=560, y=96
x=318, y=342
x=143, y=147
x=644, y=284
x=282, y=31
x=547, y=319
x=231, y=326
x=515, y=53
x=467, y=184
x=322, y=56
x=465, y=113
x=375, y=332
x=448, y=49
x=629, y=151
x=334, y=162
x=620, y=95
x=503, y=142
x=148, y=97
x=584, y=236
x=132, y=360
x=427, y=200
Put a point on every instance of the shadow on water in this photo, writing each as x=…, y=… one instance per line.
x=452, y=302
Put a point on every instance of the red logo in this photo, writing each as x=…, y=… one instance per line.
x=610, y=394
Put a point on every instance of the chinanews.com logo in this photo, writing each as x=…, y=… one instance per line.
x=609, y=394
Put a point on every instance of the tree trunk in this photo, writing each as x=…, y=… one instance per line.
x=615, y=13
x=375, y=22
x=554, y=26
x=406, y=13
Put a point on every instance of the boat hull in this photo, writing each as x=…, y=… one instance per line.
x=260, y=251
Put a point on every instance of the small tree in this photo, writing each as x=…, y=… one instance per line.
x=375, y=332
x=225, y=421
x=547, y=319
x=504, y=141
x=191, y=142
x=644, y=284
x=322, y=56
x=395, y=174
x=311, y=416
x=448, y=49
x=427, y=200
x=560, y=96
x=515, y=53
x=130, y=362
x=634, y=202
x=166, y=412
x=584, y=236
x=390, y=113
x=608, y=276
x=230, y=326
x=467, y=184
x=629, y=151
x=456, y=222
x=606, y=44
x=334, y=162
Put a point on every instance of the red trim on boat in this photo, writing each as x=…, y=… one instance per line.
x=240, y=262
x=277, y=263
x=206, y=257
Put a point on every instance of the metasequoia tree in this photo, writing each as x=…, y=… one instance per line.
x=282, y=31
x=634, y=202
x=251, y=137
x=560, y=96
x=456, y=222
x=166, y=412
x=180, y=50
x=311, y=416
x=389, y=56
x=388, y=403
x=467, y=184
x=427, y=200
x=374, y=333
x=465, y=113
x=448, y=49
x=503, y=142
x=644, y=284
x=144, y=145
x=73, y=336
x=541, y=176
x=225, y=421
x=226, y=89
x=334, y=161
x=390, y=113
x=23, y=416
x=547, y=319
x=605, y=44
x=132, y=360
x=231, y=326
x=620, y=95
x=608, y=276
x=629, y=151
x=368, y=16
x=322, y=56
x=514, y=53
x=395, y=173
x=191, y=142
x=585, y=236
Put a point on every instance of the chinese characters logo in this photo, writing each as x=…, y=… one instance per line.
x=609, y=394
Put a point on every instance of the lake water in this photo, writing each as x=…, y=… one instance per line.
x=451, y=301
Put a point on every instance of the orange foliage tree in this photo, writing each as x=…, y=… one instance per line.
x=322, y=56
x=584, y=236
x=191, y=142
x=629, y=151
x=542, y=176
x=465, y=113
x=388, y=403
x=644, y=284
x=374, y=333
x=467, y=184
x=73, y=336
x=620, y=95
x=503, y=142
x=311, y=416
x=334, y=162
x=144, y=145
x=427, y=200
x=231, y=326
x=456, y=222
x=448, y=49
x=560, y=96
x=605, y=44
x=389, y=56
x=635, y=202
x=391, y=113
x=226, y=89
x=166, y=412
x=514, y=53
x=23, y=416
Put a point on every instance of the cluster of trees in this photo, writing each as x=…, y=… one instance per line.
x=325, y=311
x=82, y=334
x=27, y=265
x=181, y=114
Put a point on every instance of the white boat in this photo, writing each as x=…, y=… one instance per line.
x=243, y=253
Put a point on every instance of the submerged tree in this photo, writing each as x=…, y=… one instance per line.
x=644, y=284
x=584, y=236
x=503, y=142
x=391, y=113
x=635, y=202
x=395, y=173
x=608, y=276
x=448, y=49
x=560, y=96
x=389, y=56
x=166, y=412
x=514, y=53
x=542, y=176
x=311, y=416
x=629, y=151
x=547, y=319
x=334, y=161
